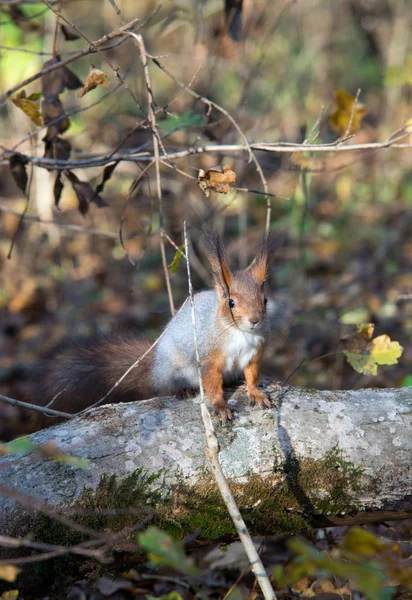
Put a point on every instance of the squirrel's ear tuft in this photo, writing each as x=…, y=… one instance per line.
x=266, y=249
x=215, y=252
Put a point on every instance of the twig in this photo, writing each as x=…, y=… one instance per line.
x=156, y=138
x=69, y=226
x=91, y=48
x=223, y=111
x=22, y=215
x=145, y=156
x=212, y=452
x=352, y=114
x=41, y=409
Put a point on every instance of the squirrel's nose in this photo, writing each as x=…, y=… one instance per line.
x=254, y=320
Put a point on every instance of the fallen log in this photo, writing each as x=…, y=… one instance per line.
x=316, y=457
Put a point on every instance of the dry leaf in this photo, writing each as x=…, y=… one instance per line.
x=94, y=78
x=217, y=179
x=365, y=354
x=345, y=113
x=85, y=193
x=29, y=107
x=55, y=82
x=69, y=34
x=9, y=573
x=53, y=109
x=18, y=170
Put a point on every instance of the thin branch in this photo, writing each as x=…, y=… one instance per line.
x=145, y=156
x=223, y=111
x=156, y=138
x=93, y=47
x=22, y=215
x=212, y=452
x=40, y=409
x=69, y=226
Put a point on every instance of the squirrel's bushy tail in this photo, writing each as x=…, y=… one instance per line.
x=83, y=373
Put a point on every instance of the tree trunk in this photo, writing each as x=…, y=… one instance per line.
x=316, y=457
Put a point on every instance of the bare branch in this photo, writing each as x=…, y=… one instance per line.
x=212, y=453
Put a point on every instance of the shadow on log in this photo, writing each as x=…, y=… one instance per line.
x=316, y=457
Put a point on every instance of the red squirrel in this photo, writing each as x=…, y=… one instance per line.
x=232, y=329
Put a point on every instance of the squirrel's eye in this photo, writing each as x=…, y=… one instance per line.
x=231, y=303
x=265, y=300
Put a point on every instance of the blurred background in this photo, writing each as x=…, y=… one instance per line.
x=286, y=71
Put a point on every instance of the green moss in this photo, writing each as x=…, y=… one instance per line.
x=284, y=501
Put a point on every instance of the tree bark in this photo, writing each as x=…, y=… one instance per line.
x=368, y=430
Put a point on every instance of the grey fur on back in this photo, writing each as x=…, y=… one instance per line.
x=174, y=365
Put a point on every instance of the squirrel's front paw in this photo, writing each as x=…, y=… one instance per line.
x=223, y=411
x=258, y=397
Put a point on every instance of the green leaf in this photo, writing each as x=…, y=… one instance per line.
x=407, y=381
x=162, y=549
x=174, y=265
x=21, y=445
x=182, y=122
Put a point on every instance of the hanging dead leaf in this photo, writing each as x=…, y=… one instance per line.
x=53, y=111
x=174, y=265
x=85, y=193
x=55, y=82
x=57, y=148
x=365, y=354
x=217, y=179
x=28, y=106
x=107, y=173
x=346, y=114
x=94, y=78
x=57, y=189
x=18, y=17
x=69, y=34
x=18, y=170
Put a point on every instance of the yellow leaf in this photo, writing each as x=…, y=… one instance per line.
x=9, y=573
x=94, y=78
x=366, y=354
x=10, y=595
x=346, y=113
x=362, y=542
x=385, y=352
x=28, y=107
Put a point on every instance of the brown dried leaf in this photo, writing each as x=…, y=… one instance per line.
x=94, y=78
x=29, y=107
x=85, y=193
x=69, y=34
x=107, y=173
x=57, y=189
x=57, y=148
x=53, y=109
x=217, y=179
x=18, y=170
x=18, y=17
x=55, y=82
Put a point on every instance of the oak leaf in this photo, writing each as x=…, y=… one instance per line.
x=30, y=108
x=365, y=354
x=217, y=179
x=94, y=78
x=347, y=116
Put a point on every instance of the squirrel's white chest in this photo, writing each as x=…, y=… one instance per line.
x=239, y=349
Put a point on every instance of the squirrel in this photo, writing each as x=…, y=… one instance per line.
x=232, y=326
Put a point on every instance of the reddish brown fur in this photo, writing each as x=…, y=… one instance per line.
x=212, y=380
